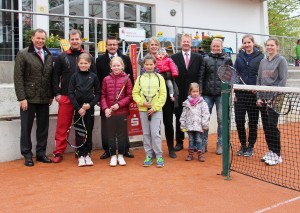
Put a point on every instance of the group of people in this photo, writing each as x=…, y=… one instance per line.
x=256, y=69
x=166, y=86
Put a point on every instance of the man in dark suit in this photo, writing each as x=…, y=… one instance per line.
x=191, y=68
x=103, y=70
x=32, y=79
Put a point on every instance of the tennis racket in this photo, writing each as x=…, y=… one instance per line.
x=118, y=95
x=146, y=94
x=229, y=74
x=280, y=104
x=80, y=133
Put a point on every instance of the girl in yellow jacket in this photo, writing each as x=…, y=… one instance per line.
x=149, y=92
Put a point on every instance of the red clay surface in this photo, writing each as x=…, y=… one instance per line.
x=180, y=186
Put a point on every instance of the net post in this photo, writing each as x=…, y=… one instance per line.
x=226, y=89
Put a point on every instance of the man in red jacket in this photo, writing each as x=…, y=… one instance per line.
x=65, y=66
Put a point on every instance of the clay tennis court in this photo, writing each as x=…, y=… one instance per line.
x=180, y=186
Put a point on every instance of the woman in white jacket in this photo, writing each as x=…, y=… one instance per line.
x=195, y=120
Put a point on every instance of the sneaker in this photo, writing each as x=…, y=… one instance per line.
x=200, y=156
x=249, y=152
x=219, y=149
x=160, y=162
x=121, y=160
x=113, y=161
x=242, y=151
x=273, y=160
x=81, y=161
x=266, y=156
x=88, y=161
x=57, y=158
x=148, y=161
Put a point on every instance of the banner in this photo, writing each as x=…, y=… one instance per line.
x=134, y=121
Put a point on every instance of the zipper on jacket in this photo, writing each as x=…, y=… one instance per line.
x=215, y=75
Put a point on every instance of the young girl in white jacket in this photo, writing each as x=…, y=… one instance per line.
x=195, y=120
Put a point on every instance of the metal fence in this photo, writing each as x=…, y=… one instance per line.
x=11, y=41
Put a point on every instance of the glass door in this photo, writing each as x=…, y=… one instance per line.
x=8, y=31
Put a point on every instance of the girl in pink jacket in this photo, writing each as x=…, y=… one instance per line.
x=116, y=95
x=195, y=120
x=166, y=65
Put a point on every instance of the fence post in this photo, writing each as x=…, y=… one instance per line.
x=225, y=132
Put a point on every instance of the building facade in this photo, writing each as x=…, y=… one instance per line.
x=103, y=18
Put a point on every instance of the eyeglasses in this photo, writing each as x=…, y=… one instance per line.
x=110, y=45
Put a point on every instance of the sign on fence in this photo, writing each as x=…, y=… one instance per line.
x=132, y=34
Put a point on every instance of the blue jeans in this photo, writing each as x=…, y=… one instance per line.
x=195, y=139
x=211, y=100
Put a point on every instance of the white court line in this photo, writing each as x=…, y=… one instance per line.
x=278, y=204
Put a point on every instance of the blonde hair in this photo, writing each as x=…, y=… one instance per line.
x=118, y=59
x=194, y=86
x=154, y=40
x=85, y=56
x=217, y=39
x=186, y=35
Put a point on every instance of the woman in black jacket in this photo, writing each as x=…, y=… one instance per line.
x=212, y=87
x=247, y=63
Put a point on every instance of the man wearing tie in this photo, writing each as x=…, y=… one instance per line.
x=103, y=70
x=190, y=68
x=32, y=79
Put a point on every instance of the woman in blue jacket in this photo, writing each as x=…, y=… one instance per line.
x=247, y=63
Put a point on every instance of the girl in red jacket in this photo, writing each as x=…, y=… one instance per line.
x=167, y=66
x=115, y=103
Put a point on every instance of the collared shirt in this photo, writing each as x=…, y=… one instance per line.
x=183, y=53
x=42, y=51
x=110, y=56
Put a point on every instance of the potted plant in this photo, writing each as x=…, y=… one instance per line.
x=53, y=44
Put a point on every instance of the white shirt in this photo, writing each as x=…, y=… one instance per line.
x=109, y=55
x=183, y=53
x=43, y=54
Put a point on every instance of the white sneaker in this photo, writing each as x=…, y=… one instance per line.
x=266, y=156
x=81, y=161
x=121, y=160
x=113, y=160
x=273, y=159
x=88, y=161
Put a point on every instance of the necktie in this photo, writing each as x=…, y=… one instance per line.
x=111, y=57
x=41, y=55
x=187, y=60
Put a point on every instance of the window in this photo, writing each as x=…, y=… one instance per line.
x=145, y=14
x=130, y=15
x=56, y=23
x=113, y=12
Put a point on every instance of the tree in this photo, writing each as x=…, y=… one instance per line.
x=284, y=17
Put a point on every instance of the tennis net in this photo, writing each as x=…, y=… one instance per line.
x=265, y=141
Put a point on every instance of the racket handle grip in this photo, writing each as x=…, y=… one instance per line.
x=149, y=116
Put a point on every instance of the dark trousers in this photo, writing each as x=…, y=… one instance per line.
x=42, y=125
x=104, y=135
x=179, y=134
x=246, y=103
x=272, y=133
x=88, y=119
x=117, y=133
x=168, y=111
